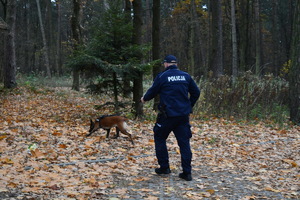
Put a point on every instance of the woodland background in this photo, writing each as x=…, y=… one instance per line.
x=64, y=62
x=240, y=51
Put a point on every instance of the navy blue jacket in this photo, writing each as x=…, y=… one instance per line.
x=177, y=90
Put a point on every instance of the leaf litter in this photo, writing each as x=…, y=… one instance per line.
x=45, y=154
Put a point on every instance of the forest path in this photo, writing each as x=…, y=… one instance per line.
x=44, y=154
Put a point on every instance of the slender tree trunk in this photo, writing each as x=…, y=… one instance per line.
x=289, y=27
x=3, y=30
x=234, y=42
x=76, y=35
x=50, y=34
x=275, y=41
x=244, y=34
x=10, y=53
x=294, y=74
x=193, y=21
x=137, y=39
x=156, y=43
x=217, y=39
x=126, y=80
x=28, y=50
x=258, y=46
x=203, y=60
x=58, y=40
x=45, y=48
x=156, y=35
x=209, y=42
x=115, y=82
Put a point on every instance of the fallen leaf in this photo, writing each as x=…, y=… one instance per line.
x=268, y=188
x=211, y=191
x=37, y=153
x=54, y=187
x=6, y=161
x=289, y=161
x=63, y=146
x=2, y=137
x=57, y=133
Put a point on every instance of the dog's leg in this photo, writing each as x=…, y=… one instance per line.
x=128, y=134
x=107, y=133
x=89, y=134
x=117, y=132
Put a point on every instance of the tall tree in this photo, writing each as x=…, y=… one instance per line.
x=234, y=41
x=192, y=36
x=137, y=39
x=10, y=53
x=126, y=80
x=45, y=48
x=27, y=48
x=156, y=42
x=201, y=44
x=243, y=34
x=275, y=37
x=3, y=30
x=58, y=40
x=294, y=81
x=258, y=45
x=217, y=38
x=76, y=36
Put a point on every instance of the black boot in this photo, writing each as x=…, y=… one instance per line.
x=163, y=170
x=186, y=176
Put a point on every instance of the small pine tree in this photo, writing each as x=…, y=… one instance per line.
x=110, y=55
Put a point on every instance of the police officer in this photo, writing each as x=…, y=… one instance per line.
x=178, y=93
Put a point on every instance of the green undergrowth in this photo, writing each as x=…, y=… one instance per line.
x=249, y=98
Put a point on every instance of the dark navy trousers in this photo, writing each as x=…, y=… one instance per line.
x=182, y=131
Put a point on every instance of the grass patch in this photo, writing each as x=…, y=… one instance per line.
x=33, y=81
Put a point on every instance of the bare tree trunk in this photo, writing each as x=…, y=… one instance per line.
x=294, y=78
x=10, y=53
x=76, y=34
x=258, y=46
x=156, y=43
x=234, y=42
x=3, y=32
x=217, y=39
x=244, y=32
x=45, y=48
x=137, y=39
x=193, y=19
x=27, y=67
x=209, y=41
x=203, y=61
x=126, y=80
x=275, y=41
x=58, y=40
x=115, y=83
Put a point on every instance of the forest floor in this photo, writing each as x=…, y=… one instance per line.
x=44, y=154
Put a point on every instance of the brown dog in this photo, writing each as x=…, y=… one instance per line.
x=109, y=121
